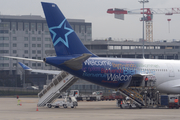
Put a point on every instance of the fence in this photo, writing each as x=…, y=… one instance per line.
x=17, y=91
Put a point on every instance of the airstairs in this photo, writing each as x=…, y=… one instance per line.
x=138, y=92
x=133, y=95
x=53, y=90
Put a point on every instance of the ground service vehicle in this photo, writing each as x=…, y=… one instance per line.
x=67, y=102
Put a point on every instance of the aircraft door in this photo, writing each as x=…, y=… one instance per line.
x=171, y=70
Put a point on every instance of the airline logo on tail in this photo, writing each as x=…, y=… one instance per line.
x=65, y=40
x=61, y=28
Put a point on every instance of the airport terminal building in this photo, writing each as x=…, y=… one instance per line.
x=28, y=36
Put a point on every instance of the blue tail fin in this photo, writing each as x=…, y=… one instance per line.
x=24, y=66
x=65, y=40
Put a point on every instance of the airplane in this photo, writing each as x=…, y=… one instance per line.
x=74, y=58
x=53, y=72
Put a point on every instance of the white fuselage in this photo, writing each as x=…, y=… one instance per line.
x=165, y=72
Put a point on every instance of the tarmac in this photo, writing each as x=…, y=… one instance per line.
x=96, y=110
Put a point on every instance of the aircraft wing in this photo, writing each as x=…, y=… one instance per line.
x=39, y=71
x=143, y=75
x=176, y=86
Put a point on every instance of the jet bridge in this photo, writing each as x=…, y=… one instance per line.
x=53, y=90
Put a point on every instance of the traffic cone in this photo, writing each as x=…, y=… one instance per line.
x=37, y=109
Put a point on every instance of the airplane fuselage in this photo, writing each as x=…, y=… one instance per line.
x=118, y=72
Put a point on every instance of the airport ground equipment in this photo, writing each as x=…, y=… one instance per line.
x=139, y=94
x=111, y=97
x=114, y=96
x=134, y=96
x=79, y=97
x=126, y=104
x=172, y=103
x=75, y=93
x=98, y=95
x=147, y=98
x=53, y=90
x=167, y=101
x=66, y=102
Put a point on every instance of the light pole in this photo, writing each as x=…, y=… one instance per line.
x=24, y=79
x=143, y=1
x=15, y=74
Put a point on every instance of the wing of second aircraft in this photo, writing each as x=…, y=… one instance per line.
x=39, y=71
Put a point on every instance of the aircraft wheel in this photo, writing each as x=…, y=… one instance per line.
x=130, y=107
x=49, y=105
x=138, y=106
x=65, y=106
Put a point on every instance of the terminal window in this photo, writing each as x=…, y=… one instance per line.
x=14, y=45
x=38, y=39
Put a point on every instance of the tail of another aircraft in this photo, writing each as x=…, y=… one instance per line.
x=65, y=40
x=24, y=66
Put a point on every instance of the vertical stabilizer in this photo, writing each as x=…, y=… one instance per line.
x=65, y=40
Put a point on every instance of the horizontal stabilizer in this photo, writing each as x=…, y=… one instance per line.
x=20, y=58
x=52, y=72
x=77, y=63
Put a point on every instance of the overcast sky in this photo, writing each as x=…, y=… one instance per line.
x=104, y=25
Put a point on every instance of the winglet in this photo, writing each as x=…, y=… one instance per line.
x=24, y=66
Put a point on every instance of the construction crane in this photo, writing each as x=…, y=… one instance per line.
x=148, y=12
